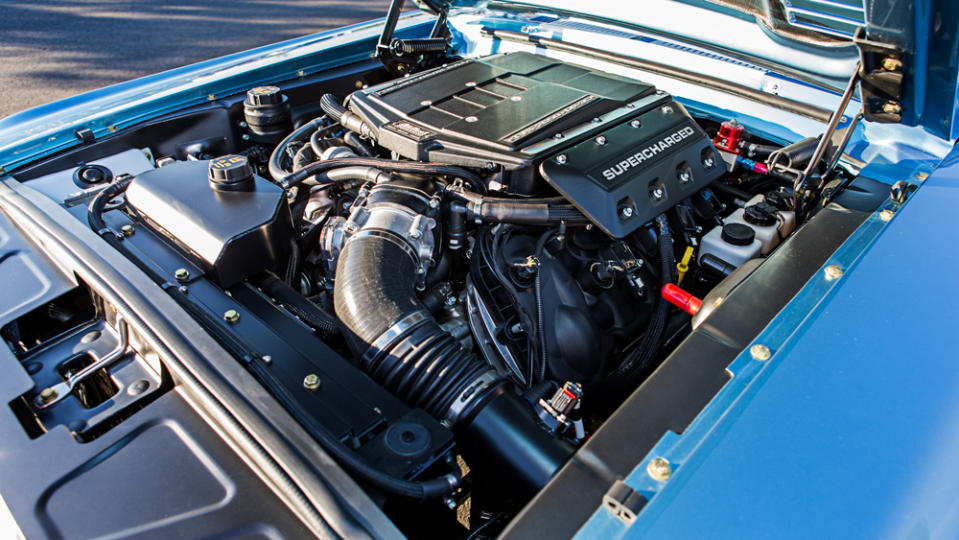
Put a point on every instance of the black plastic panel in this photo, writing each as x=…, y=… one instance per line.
x=627, y=175
x=162, y=473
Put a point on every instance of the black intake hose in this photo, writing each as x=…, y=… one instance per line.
x=375, y=290
x=411, y=355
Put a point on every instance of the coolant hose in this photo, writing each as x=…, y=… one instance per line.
x=275, y=164
x=542, y=211
x=99, y=203
x=334, y=108
x=410, y=167
x=309, y=312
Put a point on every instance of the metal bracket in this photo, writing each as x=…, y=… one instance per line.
x=52, y=395
x=401, y=56
x=881, y=71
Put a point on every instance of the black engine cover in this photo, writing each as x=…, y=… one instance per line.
x=615, y=147
x=475, y=112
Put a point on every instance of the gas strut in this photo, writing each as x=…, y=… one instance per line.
x=401, y=55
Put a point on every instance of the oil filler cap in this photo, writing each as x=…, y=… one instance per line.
x=231, y=173
x=738, y=234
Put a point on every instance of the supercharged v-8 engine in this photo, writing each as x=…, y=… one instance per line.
x=619, y=153
x=451, y=278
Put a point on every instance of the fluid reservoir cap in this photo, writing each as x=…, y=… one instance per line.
x=779, y=199
x=738, y=234
x=761, y=214
x=89, y=175
x=231, y=173
x=264, y=95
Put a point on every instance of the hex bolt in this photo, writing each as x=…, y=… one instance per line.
x=127, y=230
x=626, y=212
x=891, y=107
x=891, y=64
x=415, y=233
x=231, y=316
x=426, y=103
x=47, y=395
x=659, y=469
x=561, y=159
x=601, y=140
x=832, y=272
x=636, y=124
x=471, y=119
x=685, y=177
x=760, y=352
x=516, y=98
x=181, y=274
x=596, y=120
x=558, y=136
x=138, y=387
x=471, y=84
x=658, y=193
x=709, y=162
x=886, y=214
x=311, y=382
x=667, y=109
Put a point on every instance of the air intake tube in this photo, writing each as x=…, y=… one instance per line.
x=411, y=355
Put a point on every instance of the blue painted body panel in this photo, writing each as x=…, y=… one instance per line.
x=851, y=428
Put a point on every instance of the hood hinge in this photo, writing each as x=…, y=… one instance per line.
x=881, y=77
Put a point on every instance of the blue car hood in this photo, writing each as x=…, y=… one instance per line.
x=812, y=36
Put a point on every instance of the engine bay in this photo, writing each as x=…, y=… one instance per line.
x=453, y=278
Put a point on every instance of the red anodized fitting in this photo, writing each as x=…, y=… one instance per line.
x=730, y=136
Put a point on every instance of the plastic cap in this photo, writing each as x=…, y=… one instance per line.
x=230, y=173
x=264, y=95
x=681, y=299
x=738, y=234
x=760, y=214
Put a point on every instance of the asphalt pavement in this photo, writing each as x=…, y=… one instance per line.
x=52, y=49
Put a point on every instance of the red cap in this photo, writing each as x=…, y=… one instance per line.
x=681, y=299
x=729, y=137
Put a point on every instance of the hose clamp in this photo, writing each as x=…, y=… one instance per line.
x=474, y=389
x=392, y=333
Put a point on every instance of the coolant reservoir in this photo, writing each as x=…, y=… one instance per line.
x=734, y=243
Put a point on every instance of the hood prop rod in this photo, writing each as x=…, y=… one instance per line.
x=801, y=184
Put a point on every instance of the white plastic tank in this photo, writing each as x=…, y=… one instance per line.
x=734, y=243
x=770, y=223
